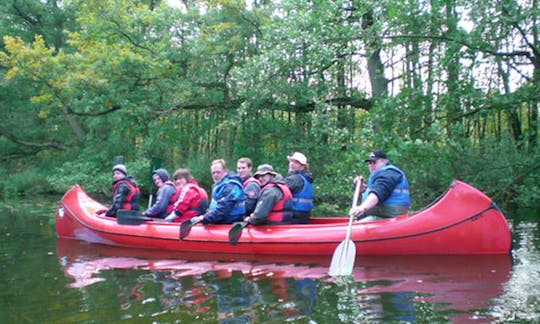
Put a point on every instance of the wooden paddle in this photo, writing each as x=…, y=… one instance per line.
x=236, y=232
x=185, y=227
x=343, y=259
x=131, y=217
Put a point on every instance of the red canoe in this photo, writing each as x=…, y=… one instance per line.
x=463, y=221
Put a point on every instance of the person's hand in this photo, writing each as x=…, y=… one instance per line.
x=362, y=183
x=101, y=211
x=246, y=219
x=357, y=210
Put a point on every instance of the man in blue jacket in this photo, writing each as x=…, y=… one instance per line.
x=386, y=194
x=228, y=202
x=300, y=182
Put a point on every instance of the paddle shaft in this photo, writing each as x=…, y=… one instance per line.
x=154, y=165
x=354, y=203
x=132, y=217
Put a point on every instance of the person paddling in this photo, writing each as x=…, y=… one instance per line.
x=386, y=194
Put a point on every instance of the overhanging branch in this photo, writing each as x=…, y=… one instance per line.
x=14, y=139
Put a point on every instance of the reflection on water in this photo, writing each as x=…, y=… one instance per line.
x=46, y=280
x=236, y=287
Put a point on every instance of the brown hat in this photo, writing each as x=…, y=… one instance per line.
x=264, y=169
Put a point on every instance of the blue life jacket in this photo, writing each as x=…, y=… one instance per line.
x=303, y=200
x=400, y=195
x=239, y=210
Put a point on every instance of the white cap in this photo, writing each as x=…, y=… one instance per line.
x=301, y=158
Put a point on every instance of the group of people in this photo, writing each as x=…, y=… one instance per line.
x=259, y=198
x=264, y=197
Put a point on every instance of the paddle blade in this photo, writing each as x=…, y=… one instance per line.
x=236, y=232
x=131, y=217
x=343, y=259
x=185, y=227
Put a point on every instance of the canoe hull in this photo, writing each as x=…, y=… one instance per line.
x=463, y=221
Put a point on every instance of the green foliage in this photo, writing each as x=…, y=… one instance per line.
x=28, y=182
x=93, y=79
x=95, y=175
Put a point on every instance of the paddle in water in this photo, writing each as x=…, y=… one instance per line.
x=185, y=226
x=236, y=232
x=343, y=259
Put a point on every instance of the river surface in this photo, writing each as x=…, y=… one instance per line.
x=51, y=280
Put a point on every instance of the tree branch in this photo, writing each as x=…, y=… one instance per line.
x=14, y=139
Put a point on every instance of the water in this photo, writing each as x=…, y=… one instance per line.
x=50, y=280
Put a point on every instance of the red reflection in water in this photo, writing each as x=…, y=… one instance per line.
x=464, y=282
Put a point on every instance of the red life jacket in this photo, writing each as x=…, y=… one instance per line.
x=202, y=206
x=172, y=200
x=250, y=179
x=198, y=205
x=133, y=192
x=281, y=213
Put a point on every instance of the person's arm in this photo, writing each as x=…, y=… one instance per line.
x=266, y=202
x=122, y=191
x=294, y=182
x=163, y=196
x=385, y=183
x=223, y=206
x=383, y=186
x=251, y=191
x=371, y=201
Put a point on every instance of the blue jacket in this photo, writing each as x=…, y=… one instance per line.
x=163, y=200
x=228, y=201
x=390, y=185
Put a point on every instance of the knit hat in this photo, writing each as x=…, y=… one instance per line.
x=120, y=168
x=162, y=174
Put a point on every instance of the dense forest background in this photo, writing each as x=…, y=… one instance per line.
x=448, y=88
